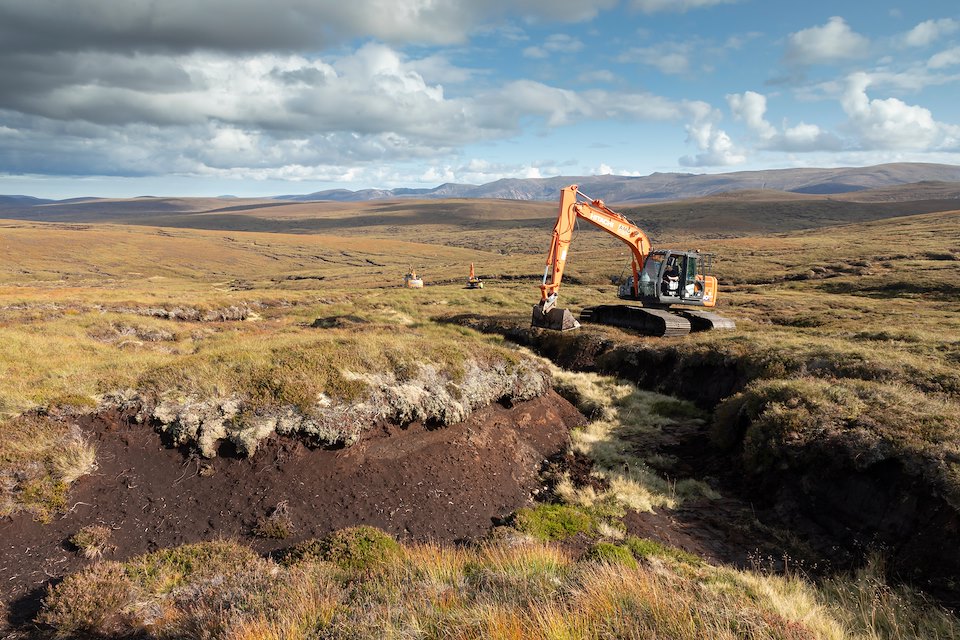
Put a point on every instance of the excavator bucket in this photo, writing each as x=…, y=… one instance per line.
x=556, y=319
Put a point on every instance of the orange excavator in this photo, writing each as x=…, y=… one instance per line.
x=474, y=282
x=661, y=280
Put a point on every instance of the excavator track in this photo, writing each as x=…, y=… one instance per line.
x=650, y=322
x=706, y=320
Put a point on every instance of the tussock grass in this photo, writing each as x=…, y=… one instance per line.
x=512, y=590
x=277, y=524
x=783, y=417
x=39, y=458
x=870, y=608
x=92, y=541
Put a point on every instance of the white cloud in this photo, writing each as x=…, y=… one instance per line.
x=928, y=32
x=274, y=115
x=562, y=43
x=555, y=43
x=676, y=6
x=948, y=58
x=437, y=68
x=891, y=123
x=671, y=58
x=804, y=137
x=473, y=171
x=751, y=107
x=597, y=75
x=716, y=147
x=606, y=170
x=253, y=25
x=832, y=42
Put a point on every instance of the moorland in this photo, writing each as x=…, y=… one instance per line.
x=226, y=418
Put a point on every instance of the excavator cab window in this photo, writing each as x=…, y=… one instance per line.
x=692, y=277
x=670, y=276
x=650, y=275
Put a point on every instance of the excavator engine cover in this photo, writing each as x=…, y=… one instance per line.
x=556, y=319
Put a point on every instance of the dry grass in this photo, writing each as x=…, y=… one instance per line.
x=509, y=590
x=92, y=541
x=277, y=524
x=39, y=458
x=623, y=417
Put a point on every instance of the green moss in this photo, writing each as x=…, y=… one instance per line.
x=645, y=548
x=553, y=521
x=354, y=548
x=44, y=497
x=76, y=401
x=166, y=569
x=610, y=553
x=677, y=409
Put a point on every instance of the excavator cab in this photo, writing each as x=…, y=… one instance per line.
x=671, y=277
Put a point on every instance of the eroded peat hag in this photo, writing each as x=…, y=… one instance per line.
x=809, y=440
x=415, y=482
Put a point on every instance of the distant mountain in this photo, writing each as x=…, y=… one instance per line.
x=22, y=200
x=448, y=190
x=659, y=187
x=931, y=181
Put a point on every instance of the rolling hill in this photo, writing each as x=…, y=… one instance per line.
x=668, y=186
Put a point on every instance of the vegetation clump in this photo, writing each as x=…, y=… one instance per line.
x=40, y=457
x=775, y=422
x=95, y=602
x=647, y=548
x=92, y=541
x=611, y=553
x=277, y=524
x=354, y=548
x=328, y=391
x=553, y=521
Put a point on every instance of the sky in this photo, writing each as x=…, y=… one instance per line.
x=121, y=98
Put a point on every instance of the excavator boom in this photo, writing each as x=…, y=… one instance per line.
x=597, y=213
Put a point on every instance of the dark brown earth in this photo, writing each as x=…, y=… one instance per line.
x=445, y=484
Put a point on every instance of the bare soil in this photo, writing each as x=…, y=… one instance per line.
x=419, y=483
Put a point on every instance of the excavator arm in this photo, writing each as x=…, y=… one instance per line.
x=598, y=214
